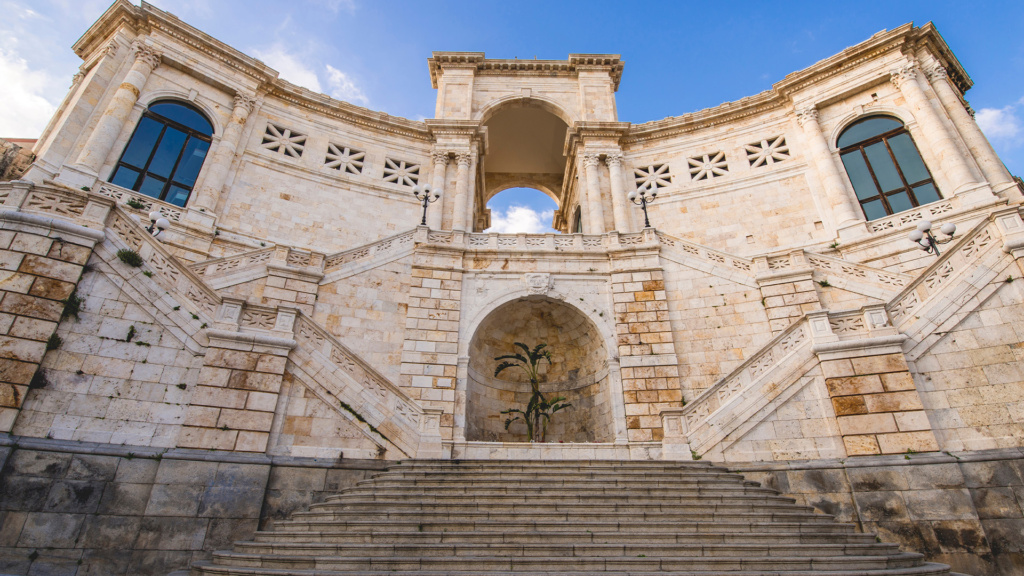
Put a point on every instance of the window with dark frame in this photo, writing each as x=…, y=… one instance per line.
x=165, y=153
x=577, y=221
x=885, y=168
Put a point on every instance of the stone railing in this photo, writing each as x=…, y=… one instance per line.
x=707, y=254
x=416, y=431
x=912, y=217
x=835, y=267
x=168, y=270
x=229, y=264
x=124, y=196
x=368, y=252
x=956, y=260
x=551, y=241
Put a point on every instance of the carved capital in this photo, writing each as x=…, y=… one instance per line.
x=77, y=78
x=463, y=159
x=969, y=109
x=613, y=160
x=937, y=73
x=146, y=54
x=244, y=102
x=903, y=74
x=440, y=158
x=591, y=160
x=111, y=49
x=805, y=115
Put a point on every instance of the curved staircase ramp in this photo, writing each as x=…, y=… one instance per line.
x=564, y=517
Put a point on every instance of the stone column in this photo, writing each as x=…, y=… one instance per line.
x=594, y=210
x=935, y=133
x=109, y=127
x=440, y=165
x=461, y=191
x=991, y=166
x=220, y=162
x=619, y=208
x=835, y=187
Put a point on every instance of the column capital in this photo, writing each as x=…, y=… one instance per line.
x=245, y=102
x=805, y=115
x=904, y=73
x=937, y=73
x=440, y=157
x=146, y=54
x=111, y=49
x=591, y=160
x=614, y=159
x=463, y=159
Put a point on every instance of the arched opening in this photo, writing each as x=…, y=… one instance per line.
x=522, y=210
x=165, y=153
x=525, y=143
x=884, y=166
x=578, y=371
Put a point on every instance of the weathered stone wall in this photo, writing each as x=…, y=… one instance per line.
x=959, y=508
x=14, y=160
x=101, y=509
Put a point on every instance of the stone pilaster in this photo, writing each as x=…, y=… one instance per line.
x=839, y=197
x=293, y=279
x=935, y=133
x=103, y=137
x=459, y=215
x=41, y=261
x=595, y=211
x=440, y=167
x=619, y=208
x=992, y=167
x=787, y=289
x=220, y=162
x=236, y=395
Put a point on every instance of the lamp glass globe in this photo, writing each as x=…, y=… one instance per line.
x=916, y=236
x=948, y=228
x=924, y=226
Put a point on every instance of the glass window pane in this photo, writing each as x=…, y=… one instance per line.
x=899, y=202
x=191, y=162
x=183, y=115
x=167, y=152
x=124, y=176
x=874, y=210
x=907, y=157
x=863, y=185
x=142, y=142
x=885, y=170
x=866, y=129
x=177, y=195
x=152, y=186
x=926, y=194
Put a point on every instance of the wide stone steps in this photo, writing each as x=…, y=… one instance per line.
x=536, y=518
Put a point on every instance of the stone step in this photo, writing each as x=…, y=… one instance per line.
x=522, y=505
x=569, y=564
x=517, y=534
x=501, y=495
x=203, y=568
x=566, y=475
x=555, y=548
x=567, y=483
x=636, y=526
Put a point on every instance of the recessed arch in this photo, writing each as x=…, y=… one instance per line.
x=519, y=101
x=901, y=114
x=202, y=104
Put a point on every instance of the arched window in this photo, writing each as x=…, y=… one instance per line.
x=577, y=221
x=165, y=153
x=885, y=167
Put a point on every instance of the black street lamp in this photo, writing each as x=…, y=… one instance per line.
x=425, y=196
x=923, y=236
x=644, y=200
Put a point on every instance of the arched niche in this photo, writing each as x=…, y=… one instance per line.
x=578, y=371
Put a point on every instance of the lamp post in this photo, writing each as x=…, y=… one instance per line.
x=426, y=197
x=644, y=200
x=923, y=236
x=157, y=224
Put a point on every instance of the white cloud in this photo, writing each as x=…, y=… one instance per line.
x=343, y=88
x=521, y=219
x=290, y=65
x=1002, y=125
x=26, y=109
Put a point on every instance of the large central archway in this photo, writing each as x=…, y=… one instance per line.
x=578, y=371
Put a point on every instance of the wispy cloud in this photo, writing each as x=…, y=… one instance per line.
x=520, y=219
x=343, y=87
x=290, y=65
x=24, y=91
x=1003, y=126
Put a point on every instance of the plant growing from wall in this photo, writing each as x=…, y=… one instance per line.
x=539, y=409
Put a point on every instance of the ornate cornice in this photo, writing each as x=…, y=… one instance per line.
x=478, y=61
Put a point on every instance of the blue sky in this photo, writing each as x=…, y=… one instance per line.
x=680, y=56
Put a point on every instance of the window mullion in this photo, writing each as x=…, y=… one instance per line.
x=878, y=187
x=899, y=170
x=174, y=169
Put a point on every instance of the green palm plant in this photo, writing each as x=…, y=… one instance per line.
x=539, y=409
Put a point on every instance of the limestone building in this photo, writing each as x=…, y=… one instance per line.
x=293, y=329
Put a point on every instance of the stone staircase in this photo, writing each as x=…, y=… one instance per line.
x=561, y=517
